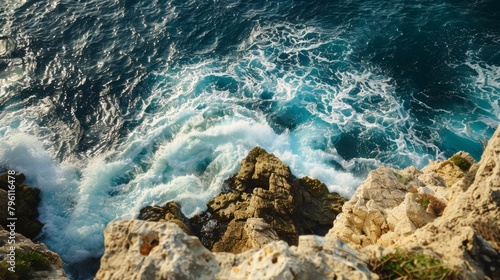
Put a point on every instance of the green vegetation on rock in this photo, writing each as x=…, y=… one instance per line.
x=404, y=179
x=27, y=262
x=461, y=163
x=409, y=265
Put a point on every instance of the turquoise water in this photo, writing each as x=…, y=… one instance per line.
x=108, y=106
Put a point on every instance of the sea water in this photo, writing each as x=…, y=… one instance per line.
x=108, y=106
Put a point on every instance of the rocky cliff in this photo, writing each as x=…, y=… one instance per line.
x=444, y=219
x=450, y=210
x=28, y=260
x=27, y=200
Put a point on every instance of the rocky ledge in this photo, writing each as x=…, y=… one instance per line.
x=28, y=260
x=31, y=260
x=441, y=222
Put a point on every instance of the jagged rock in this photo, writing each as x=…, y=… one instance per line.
x=391, y=204
x=159, y=250
x=467, y=235
x=26, y=208
x=259, y=233
x=171, y=212
x=265, y=188
x=153, y=250
x=23, y=244
x=453, y=169
x=450, y=210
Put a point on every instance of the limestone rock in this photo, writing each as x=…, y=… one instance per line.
x=391, y=204
x=263, y=189
x=153, y=250
x=467, y=235
x=160, y=250
x=453, y=169
x=314, y=258
x=259, y=233
x=363, y=217
x=23, y=244
x=26, y=200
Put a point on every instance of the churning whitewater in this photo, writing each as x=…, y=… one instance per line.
x=108, y=106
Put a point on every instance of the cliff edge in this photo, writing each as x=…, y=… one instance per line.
x=444, y=218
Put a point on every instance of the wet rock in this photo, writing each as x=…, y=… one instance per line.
x=264, y=188
x=7, y=46
x=26, y=208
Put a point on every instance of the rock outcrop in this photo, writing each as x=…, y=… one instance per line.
x=160, y=250
x=391, y=204
x=154, y=250
x=449, y=210
x=32, y=260
x=263, y=189
x=26, y=208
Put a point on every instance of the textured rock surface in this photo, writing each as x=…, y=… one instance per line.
x=154, y=250
x=391, y=204
x=55, y=272
x=26, y=200
x=450, y=209
x=150, y=250
x=171, y=212
x=265, y=189
x=467, y=235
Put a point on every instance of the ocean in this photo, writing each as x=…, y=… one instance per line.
x=111, y=105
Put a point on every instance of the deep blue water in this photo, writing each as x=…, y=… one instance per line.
x=108, y=106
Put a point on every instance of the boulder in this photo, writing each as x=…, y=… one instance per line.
x=391, y=204
x=171, y=212
x=265, y=188
x=449, y=210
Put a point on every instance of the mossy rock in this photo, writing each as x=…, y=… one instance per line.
x=403, y=179
x=27, y=263
x=461, y=162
